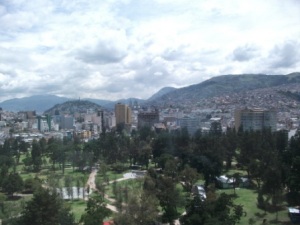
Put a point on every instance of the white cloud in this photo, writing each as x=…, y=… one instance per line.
x=116, y=49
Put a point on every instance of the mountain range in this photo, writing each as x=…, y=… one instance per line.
x=42, y=103
x=216, y=86
x=225, y=85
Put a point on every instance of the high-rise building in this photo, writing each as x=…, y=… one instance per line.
x=148, y=118
x=67, y=122
x=190, y=123
x=44, y=122
x=123, y=114
x=255, y=119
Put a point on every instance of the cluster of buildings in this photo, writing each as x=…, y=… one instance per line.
x=28, y=125
x=91, y=123
x=173, y=119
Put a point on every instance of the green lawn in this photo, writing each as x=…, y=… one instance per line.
x=131, y=184
x=77, y=207
x=113, y=175
x=247, y=198
x=182, y=199
x=13, y=207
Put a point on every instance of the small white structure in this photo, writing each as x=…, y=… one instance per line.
x=199, y=190
x=75, y=193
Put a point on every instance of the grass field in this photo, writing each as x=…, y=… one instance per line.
x=247, y=198
x=78, y=207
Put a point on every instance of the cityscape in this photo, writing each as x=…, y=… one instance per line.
x=157, y=112
x=229, y=111
x=254, y=112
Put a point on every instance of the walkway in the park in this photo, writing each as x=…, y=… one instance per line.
x=92, y=184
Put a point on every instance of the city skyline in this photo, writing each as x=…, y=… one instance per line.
x=121, y=49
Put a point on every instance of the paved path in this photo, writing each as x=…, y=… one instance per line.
x=91, y=180
x=92, y=184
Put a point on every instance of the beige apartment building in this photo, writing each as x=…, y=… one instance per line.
x=123, y=114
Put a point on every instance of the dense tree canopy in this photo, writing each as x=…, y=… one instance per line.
x=46, y=208
x=95, y=212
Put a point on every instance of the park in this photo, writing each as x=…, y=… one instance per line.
x=147, y=178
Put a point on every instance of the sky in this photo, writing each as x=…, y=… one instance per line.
x=114, y=49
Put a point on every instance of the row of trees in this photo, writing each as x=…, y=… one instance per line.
x=58, y=152
x=271, y=160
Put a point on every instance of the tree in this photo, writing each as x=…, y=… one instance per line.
x=32, y=184
x=215, y=129
x=196, y=212
x=145, y=133
x=46, y=208
x=120, y=127
x=53, y=149
x=3, y=173
x=2, y=200
x=165, y=190
x=256, y=169
x=221, y=211
x=171, y=169
x=236, y=180
x=293, y=180
x=16, y=150
x=23, y=146
x=161, y=161
x=6, y=148
x=230, y=142
x=43, y=145
x=160, y=144
x=168, y=197
x=272, y=185
x=27, y=162
x=12, y=183
x=144, y=155
x=36, y=156
x=141, y=209
x=188, y=177
x=69, y=186
x=95, y=212
x=78, y=186
x=209, y=166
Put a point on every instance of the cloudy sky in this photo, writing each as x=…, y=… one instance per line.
x=112, y=49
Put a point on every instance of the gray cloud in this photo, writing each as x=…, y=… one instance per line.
x=244, y=53
x=174, y=54
x=285, y=55
x=9, y=72
x=103, y=52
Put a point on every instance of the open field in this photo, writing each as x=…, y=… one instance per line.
x=248, y=199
